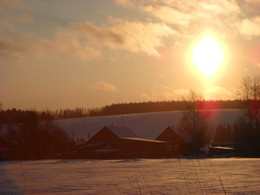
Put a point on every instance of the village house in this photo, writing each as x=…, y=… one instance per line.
x=121, y=142
x=179, y=141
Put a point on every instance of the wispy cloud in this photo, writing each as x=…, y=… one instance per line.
x=133, y=36
x=188, y=17
x=218, y=93
x=63, y=44
x=104, y=86
x=14, y=4
x=165, y=93
x=123, y=3
x=250, y=27
x=8, y=20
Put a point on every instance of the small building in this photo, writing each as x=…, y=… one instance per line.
x=179, y=141
x=121, y=142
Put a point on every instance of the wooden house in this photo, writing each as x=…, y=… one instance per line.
x=120, y=142
x=180, y=141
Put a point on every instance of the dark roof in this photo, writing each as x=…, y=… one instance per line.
x=121, y=131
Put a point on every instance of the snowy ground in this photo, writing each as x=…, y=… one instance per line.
x=138, y=176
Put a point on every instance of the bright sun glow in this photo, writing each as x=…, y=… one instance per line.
x=207, y=56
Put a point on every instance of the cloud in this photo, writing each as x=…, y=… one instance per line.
x=250, y=27
x=69, y=46
x=82, y=40
x=220, y=7
x=133, y=36
x=182, y=12
x=8, y=19
x=62, y=45
x=168, y=15
x=123, y=3
x=11, y=48
x=14, y=4
x=228, y=17
x=218, y=93
x=181, y=93
x=165, y=93
x=103, y=86
x=253, y=6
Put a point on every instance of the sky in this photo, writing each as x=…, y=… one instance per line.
x=84, y=53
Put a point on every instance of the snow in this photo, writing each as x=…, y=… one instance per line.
x=183, y=134
x=144, y=140
x=145, y=125
x=136, y=176
x=122, y=131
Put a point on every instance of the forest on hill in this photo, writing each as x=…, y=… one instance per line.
x=18, y=116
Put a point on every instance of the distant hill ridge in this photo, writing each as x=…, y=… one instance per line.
x=18, y=116
x=162, y=106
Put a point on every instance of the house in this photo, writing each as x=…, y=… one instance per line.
x=180, y=141
x=112, y=133
x=120, y=142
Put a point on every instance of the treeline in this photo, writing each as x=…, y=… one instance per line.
x=27, y=136
x=20, y=116
x=14, y=115
x=162, y=106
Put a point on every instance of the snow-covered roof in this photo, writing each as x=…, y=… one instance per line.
x=122, y=131
x=144, y=140
x=183, y=134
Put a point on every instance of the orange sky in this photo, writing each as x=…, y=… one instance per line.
x=66, y=54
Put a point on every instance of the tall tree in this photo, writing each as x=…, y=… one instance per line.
x=194, y=121
x=249, y=92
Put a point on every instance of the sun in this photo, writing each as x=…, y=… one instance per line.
x=207, y=56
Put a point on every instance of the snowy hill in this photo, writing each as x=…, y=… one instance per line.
x=145, y=125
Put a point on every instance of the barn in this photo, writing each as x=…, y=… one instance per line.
x=179, y=141
x=121, y=142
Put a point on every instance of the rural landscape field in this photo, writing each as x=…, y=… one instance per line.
x=129, y=97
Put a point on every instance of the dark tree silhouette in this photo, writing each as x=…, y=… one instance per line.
x=249, y=124
x=194, y=121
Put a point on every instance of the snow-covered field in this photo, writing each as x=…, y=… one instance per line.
x=137, y=176
x=146, y=125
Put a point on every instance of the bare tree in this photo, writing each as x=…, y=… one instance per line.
x=249, y=92
x=194, y=121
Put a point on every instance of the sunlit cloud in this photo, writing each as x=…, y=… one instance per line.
x=123, y=3
x=165, y=93
x=250, y=27
x=188, y=17
x=181, y=93
x=221, y=7
x=71, y=47
x=38, y=47
x=103, y=86
x=169, y=15
x=133, y=36
x=218, y=93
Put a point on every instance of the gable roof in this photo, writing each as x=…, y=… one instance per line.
x=121, y=131
x=181, y=133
